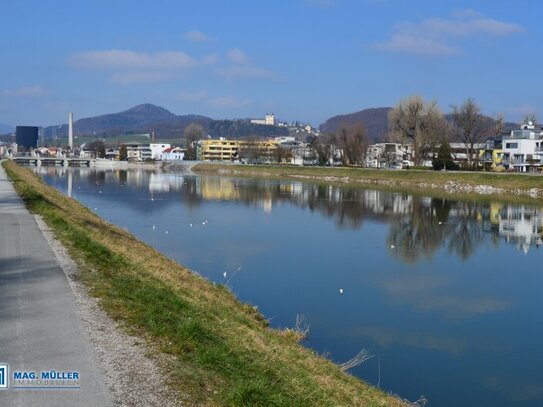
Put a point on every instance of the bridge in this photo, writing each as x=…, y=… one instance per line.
x=65, y=161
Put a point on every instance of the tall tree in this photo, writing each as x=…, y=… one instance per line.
x=123, y=153
x=354, y=142
x=499, y=124
x=471, y=126
x=193, y=132
x=418, y=123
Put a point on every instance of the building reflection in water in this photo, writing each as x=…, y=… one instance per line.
x=419, y=225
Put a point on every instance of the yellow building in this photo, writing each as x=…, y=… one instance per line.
x=233, y=150
x=491, y=158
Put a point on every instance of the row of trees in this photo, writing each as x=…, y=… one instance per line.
x=423, y=126
x=413, y=121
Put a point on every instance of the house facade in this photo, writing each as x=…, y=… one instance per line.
x=523, y=149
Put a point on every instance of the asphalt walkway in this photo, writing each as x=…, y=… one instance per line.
x=40, y=326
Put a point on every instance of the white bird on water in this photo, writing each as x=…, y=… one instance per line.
x=392, y=246
x=166, y=232
x=153, y=227
x=191, y=225
x=341, y=290
x=224, y=274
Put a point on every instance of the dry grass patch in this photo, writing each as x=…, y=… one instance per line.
x=225, y=353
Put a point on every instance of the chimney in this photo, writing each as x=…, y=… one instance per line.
x=71, y=130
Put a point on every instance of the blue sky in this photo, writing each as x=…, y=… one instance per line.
x=301, y=59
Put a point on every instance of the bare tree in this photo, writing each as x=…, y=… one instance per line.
x=530, y=118
x=471, y=125
x=354, y=142
x=416, y=122
x=98, y=148
x=499, y=124
x=193, y=132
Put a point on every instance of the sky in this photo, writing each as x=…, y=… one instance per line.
x=304, y=60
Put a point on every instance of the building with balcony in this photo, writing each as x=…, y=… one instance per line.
x=138, y=152
x=523, y=149
x=259, y=151
x=491, y=155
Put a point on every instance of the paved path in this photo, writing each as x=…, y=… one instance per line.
x=40, y=326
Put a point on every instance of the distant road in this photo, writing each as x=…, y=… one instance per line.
x=40, y=326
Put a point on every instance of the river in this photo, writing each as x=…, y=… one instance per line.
x=444, y=292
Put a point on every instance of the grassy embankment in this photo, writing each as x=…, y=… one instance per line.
x=406, y=180
x=225, y=353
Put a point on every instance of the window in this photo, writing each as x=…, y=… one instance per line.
x=511, y=145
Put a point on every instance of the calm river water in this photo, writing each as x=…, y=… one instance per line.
x=446, y=293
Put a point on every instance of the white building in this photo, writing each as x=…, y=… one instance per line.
x=304, y=155
x=269, y=120
x=173, y=154
x=157, y=149
x=389, y=156
x=138, y=152
x=523, y=149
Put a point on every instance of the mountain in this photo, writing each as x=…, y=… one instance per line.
x=147, y=118
x=374, y=121
x=6, y=128
x=141, y=118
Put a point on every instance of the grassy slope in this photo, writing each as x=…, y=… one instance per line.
x=400, y=178
x=224, y=352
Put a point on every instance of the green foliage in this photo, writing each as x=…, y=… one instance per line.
x=243, y=128
x=444, y=160
x=123, y=153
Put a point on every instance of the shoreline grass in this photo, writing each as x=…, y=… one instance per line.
x=506, y=186
x=223, y=351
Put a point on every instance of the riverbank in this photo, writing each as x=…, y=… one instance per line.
x=480, y=183
x=222, y=352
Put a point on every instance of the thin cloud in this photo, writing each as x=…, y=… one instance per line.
x=470, y=27
x=32, y=91
x=196, y=36
x=414, y=44
x=129, y=78
x=237, y=56
x=211, y=59
x=245, y=72
x=126, y=59
x=229, y=102
x=435, y=36
x=191, y=97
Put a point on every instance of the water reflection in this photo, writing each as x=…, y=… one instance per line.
x=445, y=291
x=419, y=225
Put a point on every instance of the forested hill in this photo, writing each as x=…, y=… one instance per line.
x=375, y=122
x=148, y=117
